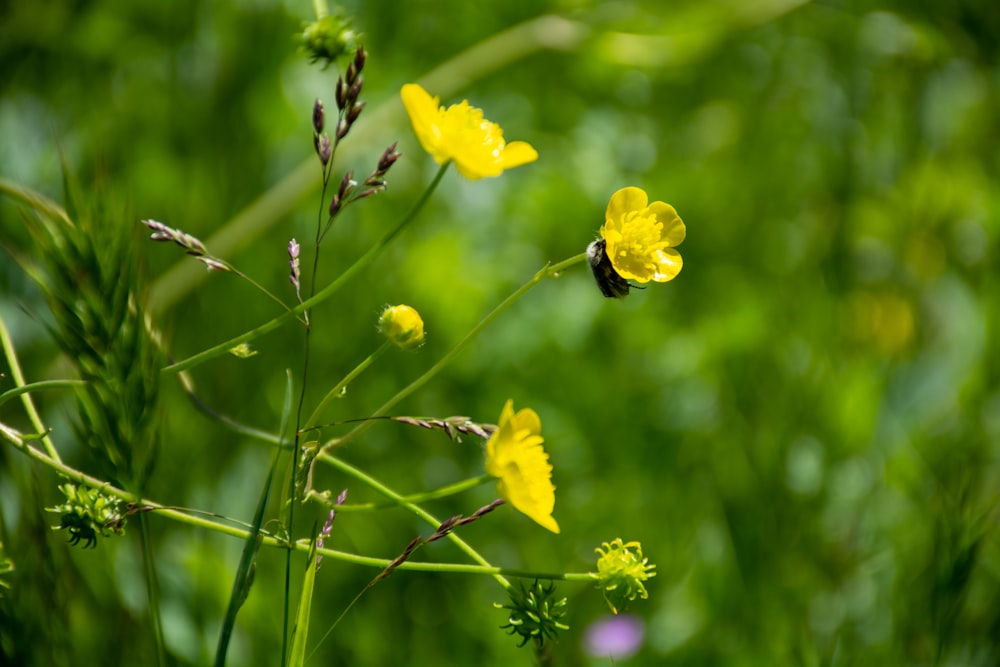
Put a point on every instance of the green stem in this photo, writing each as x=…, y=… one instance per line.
x=152, y=590
x=261, y=288
x=319, y=297
x=303, y=545
x=434, y=494
x=349, y=378
x=543, y=33
x=36, y=386
x=319, y=6
x=373, y=483
x=22, y=387
x=547, y=271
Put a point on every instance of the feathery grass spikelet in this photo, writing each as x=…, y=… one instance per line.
x=93, y=284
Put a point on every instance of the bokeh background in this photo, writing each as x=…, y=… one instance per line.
x=802, y=429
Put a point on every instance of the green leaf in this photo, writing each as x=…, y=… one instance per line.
x=245, y=572
x=297, y=657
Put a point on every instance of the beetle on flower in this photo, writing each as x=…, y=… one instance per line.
x=637, y=243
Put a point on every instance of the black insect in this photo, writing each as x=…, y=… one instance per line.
x=609, y=282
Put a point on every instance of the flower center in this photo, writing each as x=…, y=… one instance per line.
x=640, y=235
x=467, y=127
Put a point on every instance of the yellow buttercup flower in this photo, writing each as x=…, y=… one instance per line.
x=515, y=456
x=461, y=134
x=640, y=237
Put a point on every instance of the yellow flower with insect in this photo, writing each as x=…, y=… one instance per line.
x=637, y=243
x=461, y=134
x=514, y=455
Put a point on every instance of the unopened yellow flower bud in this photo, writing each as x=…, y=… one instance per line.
x=403, y=326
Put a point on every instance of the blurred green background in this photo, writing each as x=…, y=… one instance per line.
x=802, y=429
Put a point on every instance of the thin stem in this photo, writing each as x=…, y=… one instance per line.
x=37, y=386
x=339, y=387
x=225, y=420
x=303, y=545
x=370, y=481
x=434, y=494
x=543, y=33
x=547, y=271
x=152, y=590
x=18, y=376
x=319, y=297
x=319, y=6
x=261, y=288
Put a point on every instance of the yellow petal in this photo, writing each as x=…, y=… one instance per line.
x=668, y=265
x=546, y=521
x=625, y=201
x=423, y=111
x=673, y=231
x=517, y=153
x=527, y=420
x=475, y=169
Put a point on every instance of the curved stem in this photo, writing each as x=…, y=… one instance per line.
x=303, y=545
x=368, y=480
x=319, y=297
x=547, y=32
x=349, y=378
x=18, y=376
x=547, y=271
x=36, y=386
x=434, y=494
x=263, y=289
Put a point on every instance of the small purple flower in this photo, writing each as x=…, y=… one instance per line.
x=213, y=264
x=293, y=262
x=619, y=636
x=328, y=525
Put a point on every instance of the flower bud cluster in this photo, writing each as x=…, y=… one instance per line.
x=376, y=180
x=191, y=244
x=162, y=232
x=344, y=193
x=347, y=92
x=373, y=184
x=88, y=513
x=328, y=38
x=321, y=140
x=535, y=614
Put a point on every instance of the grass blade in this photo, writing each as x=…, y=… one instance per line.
x=297, y=657
x=245, y=571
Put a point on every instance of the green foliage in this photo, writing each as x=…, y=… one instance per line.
x=91, y=281
x=801, y=429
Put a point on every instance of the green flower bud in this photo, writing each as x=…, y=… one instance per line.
x=621, y=571
x=535, y=613
x=327, y=39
